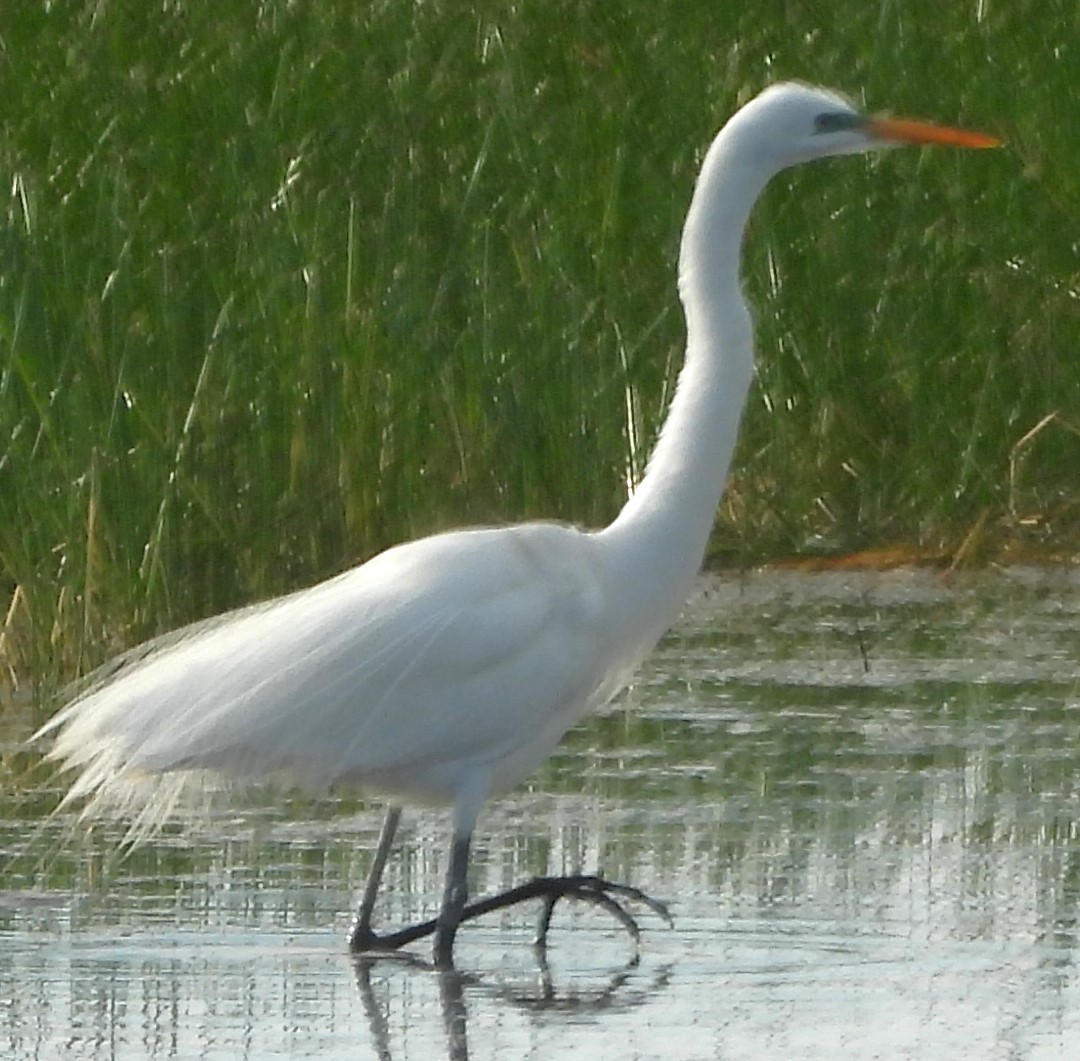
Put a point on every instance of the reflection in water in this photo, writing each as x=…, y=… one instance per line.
x=451, y=998
x=859, y=793
x=616, y=991
x=377, y=1020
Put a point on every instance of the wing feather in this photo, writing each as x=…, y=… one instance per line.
x=476, y=648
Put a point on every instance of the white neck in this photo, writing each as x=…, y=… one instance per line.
x=657, y=542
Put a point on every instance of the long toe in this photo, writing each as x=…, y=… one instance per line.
x=597, y=891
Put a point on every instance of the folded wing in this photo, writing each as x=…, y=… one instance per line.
x=465, y=651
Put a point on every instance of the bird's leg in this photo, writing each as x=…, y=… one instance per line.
x=362, y=937
x=456, y=908
x=455, y=896
x=584, y=887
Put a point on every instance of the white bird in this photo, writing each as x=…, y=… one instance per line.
x=446, y=669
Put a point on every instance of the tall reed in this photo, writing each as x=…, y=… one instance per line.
x=285, y=283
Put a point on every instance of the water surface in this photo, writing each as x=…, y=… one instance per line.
x=857, y=792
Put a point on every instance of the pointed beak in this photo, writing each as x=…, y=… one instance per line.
x=904, y=131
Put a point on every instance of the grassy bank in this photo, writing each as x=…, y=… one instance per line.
x=285, y=283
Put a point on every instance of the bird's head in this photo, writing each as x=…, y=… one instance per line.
x=790, y=123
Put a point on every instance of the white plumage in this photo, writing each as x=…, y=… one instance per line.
x=453, y=639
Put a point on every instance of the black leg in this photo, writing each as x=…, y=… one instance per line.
x=362, y=938
x=455, y=896
x=456, y=909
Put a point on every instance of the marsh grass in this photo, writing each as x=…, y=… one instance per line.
x=283, y=284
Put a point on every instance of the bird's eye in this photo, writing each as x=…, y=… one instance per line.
x=837, y=122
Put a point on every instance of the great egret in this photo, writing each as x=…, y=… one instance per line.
x=445, y=670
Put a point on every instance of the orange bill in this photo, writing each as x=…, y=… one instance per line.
x=905, y=131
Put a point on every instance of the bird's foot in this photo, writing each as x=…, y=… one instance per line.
x=583, y=887
x=364, y=940
x=586, y=888
x=589, y=888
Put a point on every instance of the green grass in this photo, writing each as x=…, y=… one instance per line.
x=285, y=283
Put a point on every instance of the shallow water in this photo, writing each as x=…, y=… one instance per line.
x=857, y=792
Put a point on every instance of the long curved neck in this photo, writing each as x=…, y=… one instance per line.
x=657, y=542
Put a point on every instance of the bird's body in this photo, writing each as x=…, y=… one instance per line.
x=446, y=669
x=437, y=660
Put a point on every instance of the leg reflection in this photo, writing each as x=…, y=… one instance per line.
x=451, y=998
x=455, y=1019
